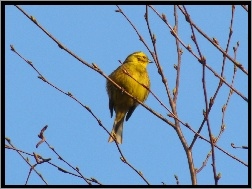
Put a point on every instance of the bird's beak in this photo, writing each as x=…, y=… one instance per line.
x=150, y=61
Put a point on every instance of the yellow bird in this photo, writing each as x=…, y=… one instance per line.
x=134, y=65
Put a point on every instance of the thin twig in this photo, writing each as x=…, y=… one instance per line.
x=239, y=65
x=31, y=166
x=179, y=53
x=155, y=55
x=54, y=165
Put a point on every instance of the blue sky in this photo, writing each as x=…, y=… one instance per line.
x=102, y=36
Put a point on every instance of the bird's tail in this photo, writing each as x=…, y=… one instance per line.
x=117, y=130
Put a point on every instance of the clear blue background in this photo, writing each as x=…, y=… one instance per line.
x=102, y=36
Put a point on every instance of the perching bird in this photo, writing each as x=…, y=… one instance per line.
x=135, y=66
